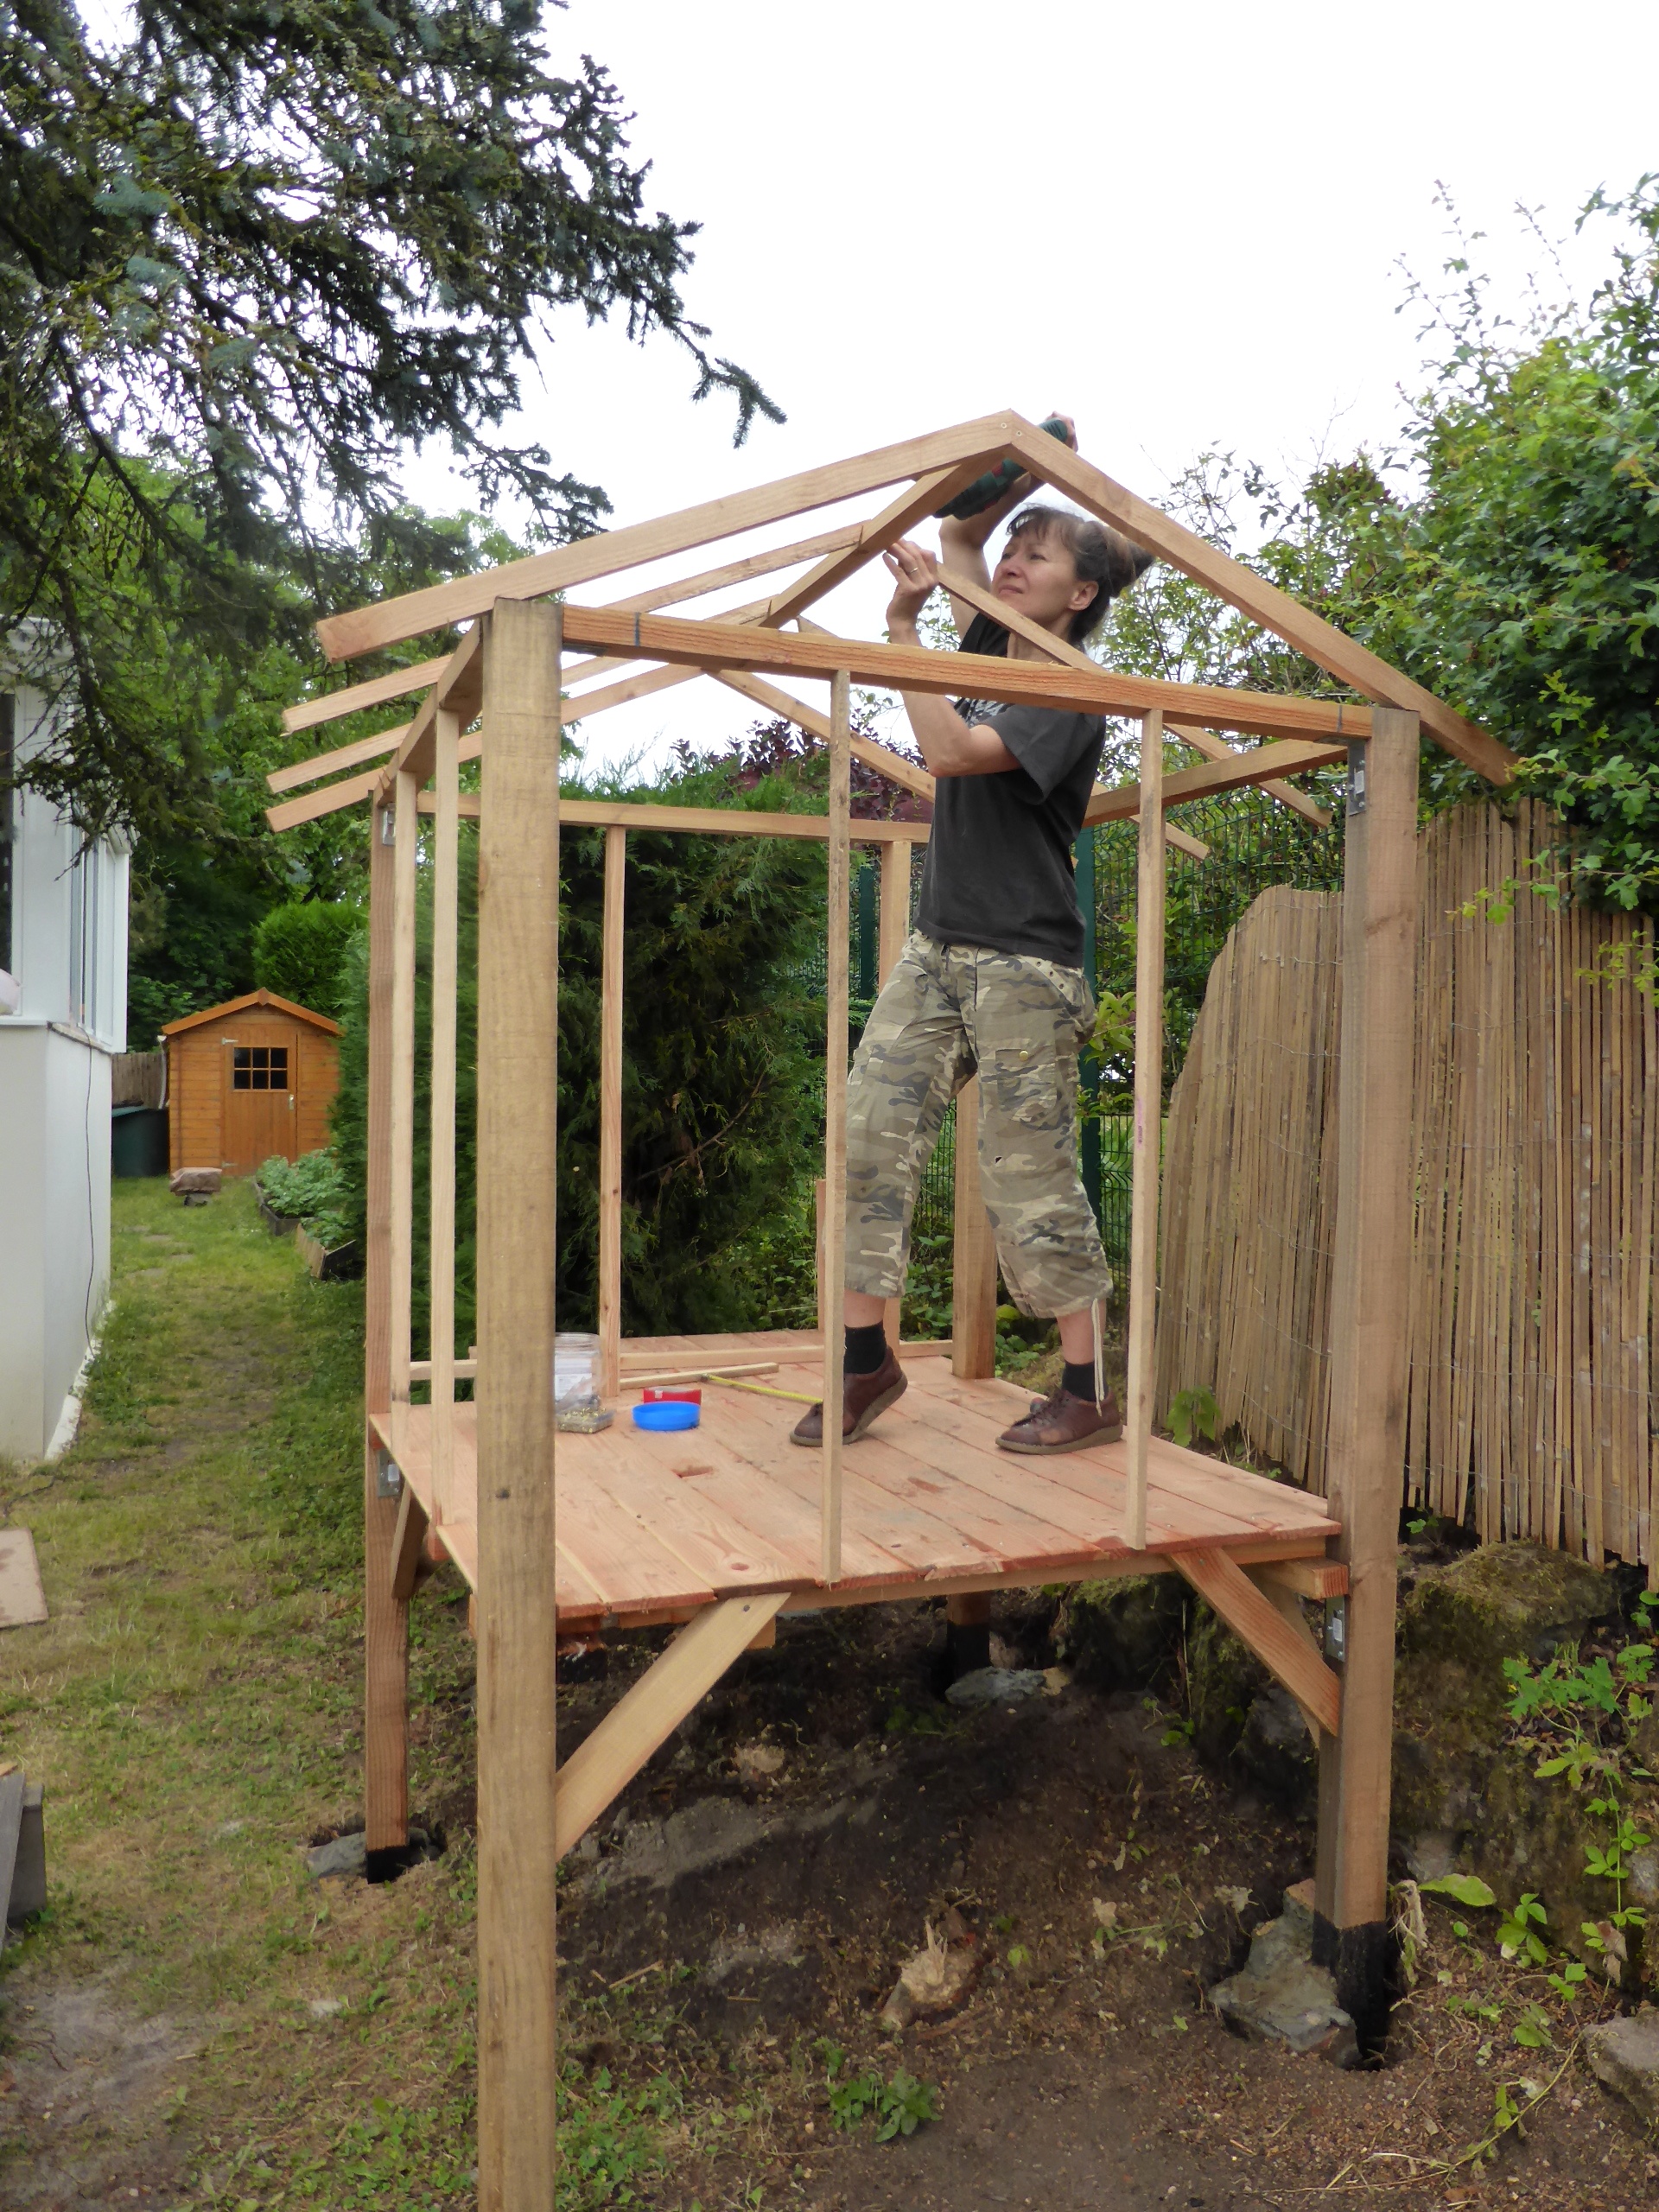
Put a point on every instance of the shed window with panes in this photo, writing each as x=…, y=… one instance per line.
x=259, y=1067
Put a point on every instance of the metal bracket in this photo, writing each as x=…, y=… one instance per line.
x=388, y=1476
x=1336, y=1631
x=388, y=825
x=1356, y=780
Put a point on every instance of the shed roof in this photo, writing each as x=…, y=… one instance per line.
x=248, y=999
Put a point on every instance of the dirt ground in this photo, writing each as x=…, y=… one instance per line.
x=1078, y=2074
x=197, y=2022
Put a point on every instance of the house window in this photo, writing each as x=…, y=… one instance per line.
x=259, y=1067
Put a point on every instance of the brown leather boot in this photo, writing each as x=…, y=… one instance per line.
x=864, y=1397
x=1061, y=1422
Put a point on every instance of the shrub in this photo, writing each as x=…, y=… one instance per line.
x=299, y=952
x=723, y=1056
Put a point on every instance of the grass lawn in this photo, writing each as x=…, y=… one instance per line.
x=196, y=2020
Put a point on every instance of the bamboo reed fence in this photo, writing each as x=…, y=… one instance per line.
x=1536, y=1121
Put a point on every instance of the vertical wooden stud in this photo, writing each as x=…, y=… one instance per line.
x=1147, y=1140
x=973, y=1251
x=833, y=1281
x=406, y=823
x=385, y=1620
x=445, y=862
x=610, y=1116
x=1369, y=1335
x=518, y=1093
x=894, y=924
x=893, y=929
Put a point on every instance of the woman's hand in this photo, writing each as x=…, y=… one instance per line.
x=915, y=576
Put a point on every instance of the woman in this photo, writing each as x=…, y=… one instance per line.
x=991, y=980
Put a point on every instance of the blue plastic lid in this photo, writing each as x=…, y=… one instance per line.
x=668, y=1413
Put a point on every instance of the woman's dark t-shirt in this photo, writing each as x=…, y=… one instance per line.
x=998, y=871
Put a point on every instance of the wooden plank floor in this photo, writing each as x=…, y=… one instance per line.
x=653, y=1527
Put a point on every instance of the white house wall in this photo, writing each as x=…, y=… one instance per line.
x=54, y=1111
x=68, y=912
x=69, y=961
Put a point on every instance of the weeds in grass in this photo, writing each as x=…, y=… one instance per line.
x=898, y=2105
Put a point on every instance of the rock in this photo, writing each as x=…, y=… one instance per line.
x=997, y=1686
x=934, y=1981
x=1642, y=1877
x=326, y=2008
x=195, y=1182
x=1624, y=2056
x=1432, y=1856
x=1466, y=1799
x=338, y=1861
x=1281, y=1996
x=758, y=1762
x=1124, y=1634
x=1224, y=1679
x=1276, y=1750
x=778, y=1945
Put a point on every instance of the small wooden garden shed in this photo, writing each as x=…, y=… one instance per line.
x=253, y=1077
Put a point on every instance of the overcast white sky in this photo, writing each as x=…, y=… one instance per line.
x=1180, y=223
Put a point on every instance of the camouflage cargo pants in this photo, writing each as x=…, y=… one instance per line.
x=949, y=1012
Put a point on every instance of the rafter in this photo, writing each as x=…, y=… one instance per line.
x=1275, y=610
x=970, y=445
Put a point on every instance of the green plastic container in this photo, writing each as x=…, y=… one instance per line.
x=138, y=1140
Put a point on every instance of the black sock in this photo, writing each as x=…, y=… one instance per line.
x=866, y=1349
x=1080, y=1381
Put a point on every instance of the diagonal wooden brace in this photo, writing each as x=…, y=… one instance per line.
x=408, y=1537
x=601, y=1767
x=1285, y=1651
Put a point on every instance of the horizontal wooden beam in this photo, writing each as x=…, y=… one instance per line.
x=706, y=821
x=1122, y=802
x=1309, y=633
x=813, y=1598
x=343, y=637
x=1253, y=1616
x=1318, y=1579
x=721, y=647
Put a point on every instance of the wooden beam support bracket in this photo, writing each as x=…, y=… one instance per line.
x=604, y=1763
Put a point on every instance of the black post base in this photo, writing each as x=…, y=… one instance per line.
x=1361, y=1961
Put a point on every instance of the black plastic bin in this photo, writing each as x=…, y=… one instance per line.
x=138, y=1140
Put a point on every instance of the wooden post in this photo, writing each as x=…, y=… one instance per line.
x=386, y=1620
x=833, y=1282
x=406, y=849
x=973, y=1251
x=610, y=1116
x=1369, y=1301
x=893, y=929
x=518, y=1093
x=442, y=1218
x=1148, y=1123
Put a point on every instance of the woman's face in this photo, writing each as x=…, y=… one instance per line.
x=1038, y=574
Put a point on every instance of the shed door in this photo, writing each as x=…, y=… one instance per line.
x=260, y=1068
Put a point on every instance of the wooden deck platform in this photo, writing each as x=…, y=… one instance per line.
x=654, y=1527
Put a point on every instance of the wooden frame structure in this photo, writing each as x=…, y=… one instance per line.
x=634, y=1530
